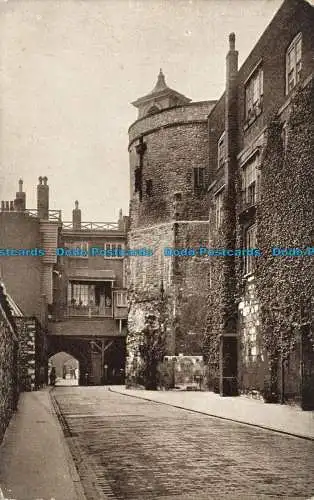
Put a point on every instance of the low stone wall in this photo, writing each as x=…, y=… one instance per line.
x=8, y=364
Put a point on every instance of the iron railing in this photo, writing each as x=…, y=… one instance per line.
x=91, y=226
x=53, y=215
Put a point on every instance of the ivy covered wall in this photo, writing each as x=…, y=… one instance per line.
x=274, y=304
x=285, y=218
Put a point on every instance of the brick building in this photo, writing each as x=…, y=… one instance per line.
x=261, y=196
x=89, y=312
x=28, y=273
x=235, y=174
x=69, y=284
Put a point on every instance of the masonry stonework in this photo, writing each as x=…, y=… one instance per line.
x=168, y=208
x=8, y=363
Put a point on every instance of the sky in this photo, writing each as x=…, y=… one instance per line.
x=70, y=70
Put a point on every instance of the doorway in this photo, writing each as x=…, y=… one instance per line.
x=228, y=365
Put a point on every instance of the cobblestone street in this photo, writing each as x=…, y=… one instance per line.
x=127, y=448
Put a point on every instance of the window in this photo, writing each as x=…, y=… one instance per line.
x=254, y=96
x=89, y=299
x=149, y=187
x=138, y=179
x=80, y=295
x=199, y=179
x=284, y=137
x=113, y=250
x=121, y=299
x=293, y=63
x=250, y=243
x=219, y=209
x=153, y=110
x=82, y=246
x=249, y=183
x=221, y=151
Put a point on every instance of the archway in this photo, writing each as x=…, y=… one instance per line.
x=67, y=368
x=101, y=359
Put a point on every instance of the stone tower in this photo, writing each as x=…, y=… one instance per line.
x=169, y=176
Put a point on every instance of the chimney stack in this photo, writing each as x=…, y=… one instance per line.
x=43, y=198
x=20, y=198
x=232, y=59
x=76, y=216
x=120, y=221
x=231, y=107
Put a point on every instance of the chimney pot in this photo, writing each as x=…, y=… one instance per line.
x=232, y=41
x=43, y=198
x=76, y=216
x=21, y=185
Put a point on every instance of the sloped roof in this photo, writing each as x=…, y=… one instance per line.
x=161, y=89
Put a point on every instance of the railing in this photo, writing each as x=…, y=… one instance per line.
x=53, y=215
x=59, y=313
x=89, y=311
x=91, y=226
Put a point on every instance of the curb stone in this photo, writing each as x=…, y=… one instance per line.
x=270, y=429
x=79, y=490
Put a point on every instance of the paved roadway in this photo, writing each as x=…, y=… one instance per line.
x=127, y=448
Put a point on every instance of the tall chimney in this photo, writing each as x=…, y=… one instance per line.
x=231, y=107
x=43, y=198
x=76, y=216
x=20, y=198
x=231, y=145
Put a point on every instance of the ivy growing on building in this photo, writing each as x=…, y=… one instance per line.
x=152, y=349
x=284, y=216
x=285, y=220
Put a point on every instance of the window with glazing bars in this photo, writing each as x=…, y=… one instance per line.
x=293, y=63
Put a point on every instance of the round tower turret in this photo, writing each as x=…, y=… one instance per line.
x=168, y=148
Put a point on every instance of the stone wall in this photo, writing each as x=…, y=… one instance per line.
x=178, y=284
x=8, y=364
x=195, y=111
x=168, y=209
x=164, y=152
x=29, y=355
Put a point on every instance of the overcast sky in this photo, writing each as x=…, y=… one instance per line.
x=71, y=68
